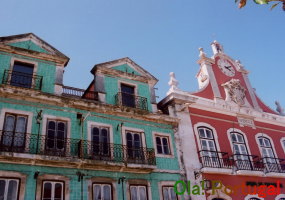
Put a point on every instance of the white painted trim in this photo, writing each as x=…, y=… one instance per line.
x=139, y=183
x=120, y=82
x=213, y=131
x=208, y=170
x=280, y=196
x=52, y=117
x=253, y=196
x=229, y=131
x=170, y=141
x=21, y=184
x=91, y=124
x=249, y=173
x=165, y=184
x=271, y=141
x=124, y=129
x=283, y=146
x=15, y=59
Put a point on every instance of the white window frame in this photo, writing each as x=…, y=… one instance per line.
x=52, y=188
x=7, y=180
x=170, y=144
x=126, y=129
x=139, y=186
x=102, y=189
x=15, y=59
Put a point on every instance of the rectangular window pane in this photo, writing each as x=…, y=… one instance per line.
x=97, y=192
x=134, y=193
x=142, y=193
x=12, y=190
x=2, y=189
x=47, y=191
x=58, y=191
x=107, y=192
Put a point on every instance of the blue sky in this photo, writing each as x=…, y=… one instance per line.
x=160, y=35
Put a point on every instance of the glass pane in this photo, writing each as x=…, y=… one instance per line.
x=2, y=189
x=137, y=140
x=47, y=191
x=267, y=143
x=58, y=191
x=107, y=192
x=158, y=145
x=204, y=145
x=172, y=194
x=165, y=146
x=8, y=130
x=142, y=192
x=202, y=133
x=12, y=190
x=51, y=125
x=20, y=130
x=129, y=140
x=240, y=138
x=234, y=139
x=61, y=126
x=209, y=134
x=260, y=141
x=97, y=192
x=134, y=193
x=165, y=193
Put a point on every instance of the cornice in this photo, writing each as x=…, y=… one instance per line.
x=34, y=54
x=32, y=96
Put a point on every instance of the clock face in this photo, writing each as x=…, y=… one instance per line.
x=226, y=67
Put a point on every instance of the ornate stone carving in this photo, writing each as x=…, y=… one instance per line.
x=234, y=91
x=173, y=83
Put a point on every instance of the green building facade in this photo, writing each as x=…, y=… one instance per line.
x=59, y=142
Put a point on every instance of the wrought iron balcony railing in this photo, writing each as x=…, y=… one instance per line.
x=274, y=164
x=214, y=159
x=79, y=93
x=20, y=79
x=130, y=100
x=75, y=148
x=248, y=162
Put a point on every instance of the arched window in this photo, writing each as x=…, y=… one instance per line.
x=268, y=154
x=240, y=151
x=208, y=151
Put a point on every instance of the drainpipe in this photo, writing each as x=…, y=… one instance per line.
x=39, y=120
x=122, y=179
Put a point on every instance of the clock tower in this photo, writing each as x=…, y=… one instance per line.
x=225, y=80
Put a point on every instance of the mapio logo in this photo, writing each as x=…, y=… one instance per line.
x=182, y=188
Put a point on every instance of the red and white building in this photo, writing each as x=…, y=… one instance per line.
x=226, y=132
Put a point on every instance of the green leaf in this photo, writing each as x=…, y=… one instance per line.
x=261, y=1
x=274, y=5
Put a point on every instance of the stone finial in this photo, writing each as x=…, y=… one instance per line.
x=201, y=52
x=217, y=47
x=173, y=83
x=239, y=65
x=279, y=108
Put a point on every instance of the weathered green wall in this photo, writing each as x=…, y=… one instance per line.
x=126, y=68
x=28, y=45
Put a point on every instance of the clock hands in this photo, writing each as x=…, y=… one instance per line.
x=228, y=68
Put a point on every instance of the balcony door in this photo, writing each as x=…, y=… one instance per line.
x=209, y=152
x=128, y=95
x=240, y=151
x=100, y=141
x=14, y=132
x=268, y=154
x=55, y=137
x=22, y=75
x=134, y=146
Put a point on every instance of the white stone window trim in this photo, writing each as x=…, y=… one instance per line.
x=162, y=184
x=280, y=196
x=91, y=124
x=143, y=183
x=283, y=144
x=120, y=82
x=136, y=130
x=5, y=111
x=14, y=59
x=47, y=118
x=102, y=180
x=21, y=184
x=249, y=196
x=52, y=177
x=235, y=130
x=170, y=145
x=215, y=135
x=271, y=142
x=53, y=187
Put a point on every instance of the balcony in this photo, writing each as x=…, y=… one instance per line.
x=23, y=80
x=248, y=162
x=276, y=165
x=79, y=93
x=214, y=159
x=130, y=100
x=75, y=148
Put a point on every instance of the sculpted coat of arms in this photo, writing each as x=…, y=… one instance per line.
x=235, y=91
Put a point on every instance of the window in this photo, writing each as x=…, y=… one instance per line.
x=266, y=148
x=239, y=147
x=14, y=132
x=52, y=190
x=162, y=145
x=128, y=95
x=208, y=145
x=138, y=192
x=22, y=74
x=100, y=141
x=55, y=138
x=9, y=189
x=102, y=191
x=168, y=193
x=134, y=145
